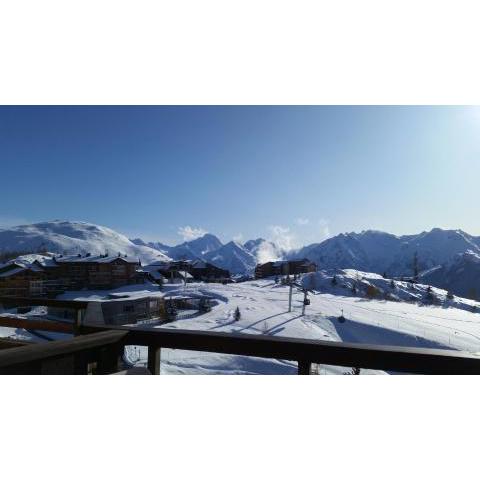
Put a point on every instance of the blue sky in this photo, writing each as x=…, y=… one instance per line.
x=293, y=174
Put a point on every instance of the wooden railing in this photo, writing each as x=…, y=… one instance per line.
x=99, y=349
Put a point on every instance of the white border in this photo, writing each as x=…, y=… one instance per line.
x=249, y=52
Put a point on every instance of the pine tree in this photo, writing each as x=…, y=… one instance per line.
x=472, y=294
x=430, y=296
x=171, y=310
x=392, y=285
x=372, y=292
x=237, y=314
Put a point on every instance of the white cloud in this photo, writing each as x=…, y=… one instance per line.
x=324, y=228
x=191, y=233
x=282, y=237
x=267, y=253
x=302, y=221
x=238, y=237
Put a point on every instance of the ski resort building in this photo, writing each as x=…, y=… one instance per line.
x=186, y=271
x=18, y=281
x=207, y=272
x=287, y=267
x=53, y=275
x=93, y=273
x=49, y=276
x=117, y=310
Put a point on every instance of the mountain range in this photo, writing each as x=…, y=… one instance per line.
x=448, y=259
x=379, y=252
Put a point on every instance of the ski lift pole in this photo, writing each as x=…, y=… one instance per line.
x=304, y=302
x=290, y=297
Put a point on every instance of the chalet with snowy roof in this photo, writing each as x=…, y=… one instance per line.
x=38, y=275
x=95, y=272
x=186, y=270
x=207, y=272
x=16, y=280
x=284, y=267
x=163, y=274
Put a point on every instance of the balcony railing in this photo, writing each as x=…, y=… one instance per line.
x=99, y=348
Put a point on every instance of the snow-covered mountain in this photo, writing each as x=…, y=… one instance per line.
x=437, y=247
x=190, y=250
x=446, y=258
x=72, y=238
x=197, y=248
x=461, y=276
x=161, y=247
x=379, y=252
x=237, y=258
x=233, y=257
x=367, y=285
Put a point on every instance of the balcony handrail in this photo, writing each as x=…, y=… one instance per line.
x=43, y=302
x=66, y=356
x=304, y=351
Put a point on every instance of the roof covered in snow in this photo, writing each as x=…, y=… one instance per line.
x=93, y=259
x=12, y=271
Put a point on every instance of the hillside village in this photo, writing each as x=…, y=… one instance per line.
x=204, y=284
x=79, y=256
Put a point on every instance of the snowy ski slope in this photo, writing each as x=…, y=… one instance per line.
x=263, y=306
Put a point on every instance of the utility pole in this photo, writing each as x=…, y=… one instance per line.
x=290, y=297
x=305, y=291
x=304, y=302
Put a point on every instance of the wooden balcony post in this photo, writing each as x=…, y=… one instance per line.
x=78, y=322
x=109, y=359
x=154, y=360
x=304, y=367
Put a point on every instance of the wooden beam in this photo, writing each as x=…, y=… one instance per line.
x=40, y=301
x=374, y=357
x=6, y=343
x=43, y=325
x=36, y=353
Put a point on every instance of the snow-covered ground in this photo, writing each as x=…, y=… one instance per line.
x=264, y=310
x=449, y=324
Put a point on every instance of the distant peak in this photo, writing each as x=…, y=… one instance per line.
x=209, y=235
x=233, y=243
